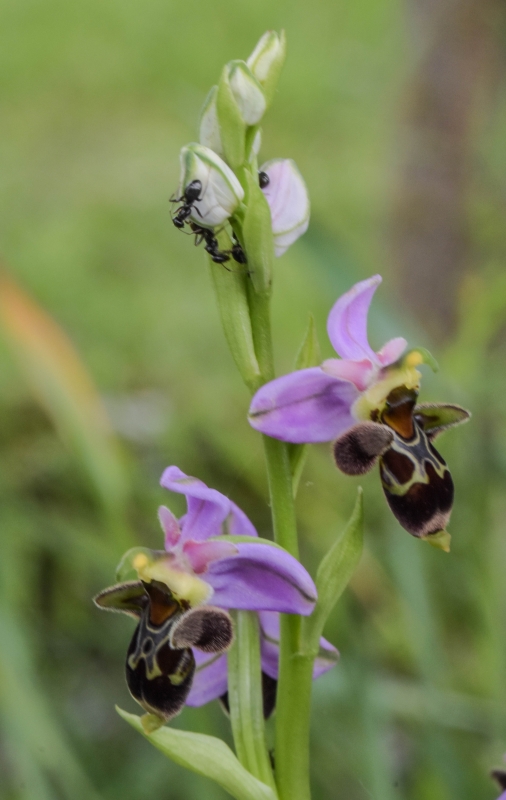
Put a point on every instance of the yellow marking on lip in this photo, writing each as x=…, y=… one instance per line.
x=183, y=585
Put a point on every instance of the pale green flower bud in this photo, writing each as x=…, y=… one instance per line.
x=266, y=61
x=247, y=92
x=209, y=124
x=220, y=191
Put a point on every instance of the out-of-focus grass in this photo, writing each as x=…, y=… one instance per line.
x=96, y=100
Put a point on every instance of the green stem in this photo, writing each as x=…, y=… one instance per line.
x=260, y=315
x=293, y=709
x=246, y=700
x=279, y=477
x=295, y=670
x=279, y=474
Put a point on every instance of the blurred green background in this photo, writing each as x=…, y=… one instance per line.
x=395, y=112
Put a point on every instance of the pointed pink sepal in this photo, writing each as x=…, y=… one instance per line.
x=201, y=554
x=170, y=526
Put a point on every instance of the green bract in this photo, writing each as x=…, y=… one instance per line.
x=209, y=123
x=205, y=755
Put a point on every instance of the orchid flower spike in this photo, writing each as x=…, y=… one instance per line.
x=213, y=561
x=288, y=199
x=367, y=402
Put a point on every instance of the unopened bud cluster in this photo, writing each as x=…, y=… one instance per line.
x=215, y=184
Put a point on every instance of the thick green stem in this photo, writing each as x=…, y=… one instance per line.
x=246, y=700
x=293, y=708
x=260, y=315
x=279, y=474
x=279, y=477
x=293, y=702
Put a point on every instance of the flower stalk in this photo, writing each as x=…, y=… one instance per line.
x=295, y=669
x=246, y=700
x=232, y=111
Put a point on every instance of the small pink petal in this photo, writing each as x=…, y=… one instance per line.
x=288, y=201
x=359, y=373
x=207, y=508
x=201, y=554
x=391, y=351
x=170, y=526
x=347, y=321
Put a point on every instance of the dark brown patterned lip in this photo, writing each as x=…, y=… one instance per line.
x=399, y=464
x=425, y=508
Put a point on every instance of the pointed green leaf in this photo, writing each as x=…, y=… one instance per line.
x=257, y=235
x=309, y=355
x=205, y=755
x=231, y=124
x=231, y=294
x=335, y=571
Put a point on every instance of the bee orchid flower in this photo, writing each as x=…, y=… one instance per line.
x=213, y=561
x=366, y=402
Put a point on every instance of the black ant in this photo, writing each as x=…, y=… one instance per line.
x=218, y=256
x=207, y=235
x=263, y=179
x=237, y=252
x=189, y=197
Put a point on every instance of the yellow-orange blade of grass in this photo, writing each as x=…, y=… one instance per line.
x=63, y=386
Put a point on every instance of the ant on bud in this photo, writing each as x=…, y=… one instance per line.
x=218, y=256
x=237, y=252
x=190, y=196
x=263, y=179
x=207, y=235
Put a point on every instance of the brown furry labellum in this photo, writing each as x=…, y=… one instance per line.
x=160, y=664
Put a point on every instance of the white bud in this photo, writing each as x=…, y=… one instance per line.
x=209, y=124
x=288, y=200
x=256, y=145
x=247, y=91
x=220, y=191
x=266, y=61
